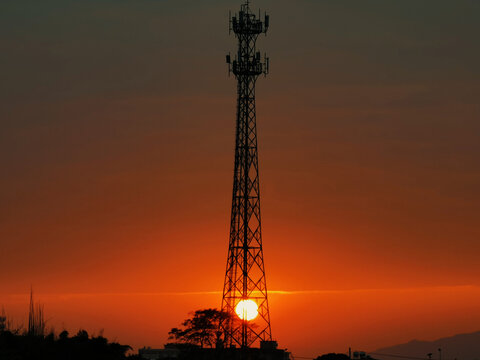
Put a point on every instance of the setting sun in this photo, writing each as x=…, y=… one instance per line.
x=247, y=310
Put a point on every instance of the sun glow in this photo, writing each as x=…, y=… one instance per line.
x=247, y=310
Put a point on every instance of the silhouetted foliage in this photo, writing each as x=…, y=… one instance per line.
x=78, y=347
x=36, y=322
x=202, y=329
x=3, y=321
x=6, y=324
x=63, y=335
x=333, y=356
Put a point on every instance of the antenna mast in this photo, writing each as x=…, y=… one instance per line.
x=245, y=272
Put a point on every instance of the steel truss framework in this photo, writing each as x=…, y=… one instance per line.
x=245, y=271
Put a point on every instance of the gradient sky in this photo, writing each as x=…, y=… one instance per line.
x=116, y=156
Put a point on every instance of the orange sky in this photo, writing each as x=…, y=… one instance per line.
x=308, y=323
x=117, y=146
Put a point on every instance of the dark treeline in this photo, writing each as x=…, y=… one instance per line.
x=16, y=346
x=35, y=342
x=333, y=356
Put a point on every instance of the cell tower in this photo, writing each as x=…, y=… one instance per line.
x=245, y=287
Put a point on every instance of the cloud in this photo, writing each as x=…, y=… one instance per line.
x=67, y=296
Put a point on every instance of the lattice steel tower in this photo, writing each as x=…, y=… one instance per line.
x=245, y=274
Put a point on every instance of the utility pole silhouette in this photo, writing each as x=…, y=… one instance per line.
x=245, y=271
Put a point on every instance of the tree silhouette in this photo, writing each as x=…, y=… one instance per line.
x=333, y=356
x=202, y=329
x=3, y=321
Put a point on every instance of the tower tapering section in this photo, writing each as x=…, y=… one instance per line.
x=245, y=280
